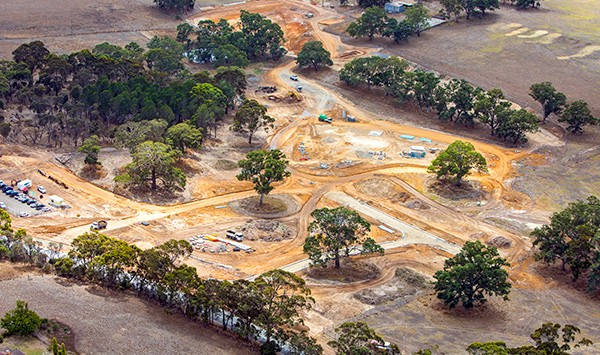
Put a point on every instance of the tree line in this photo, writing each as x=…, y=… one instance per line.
x=458, y=101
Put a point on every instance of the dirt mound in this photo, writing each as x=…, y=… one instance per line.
x=404, y=287
x=383, y=188
x=224, y=164
x=416, y=205
x=350, y=271
x=266, y=230
x=93, y=172
x=500, y=242
x=275, y=206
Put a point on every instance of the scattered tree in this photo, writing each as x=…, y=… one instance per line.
x=577, y=115
x=457, y=161
x=488, y=105
x=263, y=168
x=551, y=100
x=184, y=135
x=153, y=162
x=547, y=338
x=337, y=233
x=417, y=17
x=471, y=275
x=180, y=6
x=571, y=238
x=91, y=148
x=21, y=320
x=313, y=54
x=372, y=22
x=250, y=117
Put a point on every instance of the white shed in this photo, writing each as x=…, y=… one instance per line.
x=56, y=201
x=24, y=184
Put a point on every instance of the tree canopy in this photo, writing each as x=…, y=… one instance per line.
x=359, y=338
x=314, y=55
x=338, y=233
x=263, y=168
x=21, y=320
x=572, y=237
x=578, y=115
x=457, y=161
x=251, y=117
x=372, y=22
x=153, y=162
x=551, y=100
x=471, y=275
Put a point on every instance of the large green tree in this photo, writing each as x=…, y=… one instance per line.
x=573, y=237
x=488, y=105
x=21, y=320
x=473, y=273
x=358, y=338
x=313, y=54
x=91, y=148
x=154, y=162
x=33, y=54
x=284, y=296
x=263, y=168
x=373, y=21
x=577, y=114
x=337, y=233
x=515, y=124
x=250, y=117
x=457, y=161
x=551, y=100
x=184, y=135
x=229, y=55
x=417, y=17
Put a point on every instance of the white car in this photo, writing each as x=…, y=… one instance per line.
x=23, y=214
x=41, y=189
x=2, y=205
x=294, y=77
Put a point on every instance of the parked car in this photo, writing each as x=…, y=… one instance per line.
x=32, y=203
x=2, y=205
x=23, y=214
x=46, y=209
x=41, y=189
x=40, y=206
x=2, y=185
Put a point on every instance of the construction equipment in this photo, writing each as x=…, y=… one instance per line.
x=293, y=96
x=266, y=89
x=323, y=118
x=99, y=225
x=303, y=153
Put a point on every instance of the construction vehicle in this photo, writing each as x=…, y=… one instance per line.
x=323, y=118
x=99, y=225
x=237, y=236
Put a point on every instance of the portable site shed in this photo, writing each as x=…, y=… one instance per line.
x=56, y=201
x=24, y=184
x=395, y=7
x=417, y=151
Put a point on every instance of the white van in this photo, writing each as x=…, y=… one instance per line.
x=238, y=237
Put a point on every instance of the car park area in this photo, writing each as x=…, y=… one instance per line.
x=20, y=200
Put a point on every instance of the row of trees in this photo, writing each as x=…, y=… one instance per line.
x=219, y=43
x=267, y=308
x=573, y=238
x=375, y=21
x=455, y=100
x=576, y=114
x=458, y=101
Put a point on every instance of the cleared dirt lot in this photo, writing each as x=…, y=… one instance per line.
x=112, y=323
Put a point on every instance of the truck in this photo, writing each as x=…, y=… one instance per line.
x=98, y=225
x=237, y=236
x=323, y=118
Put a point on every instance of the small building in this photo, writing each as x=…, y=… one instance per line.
x=56, y=201
x=395, y=7
x=24, y=184
x=417, y=151
x=9, y=351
